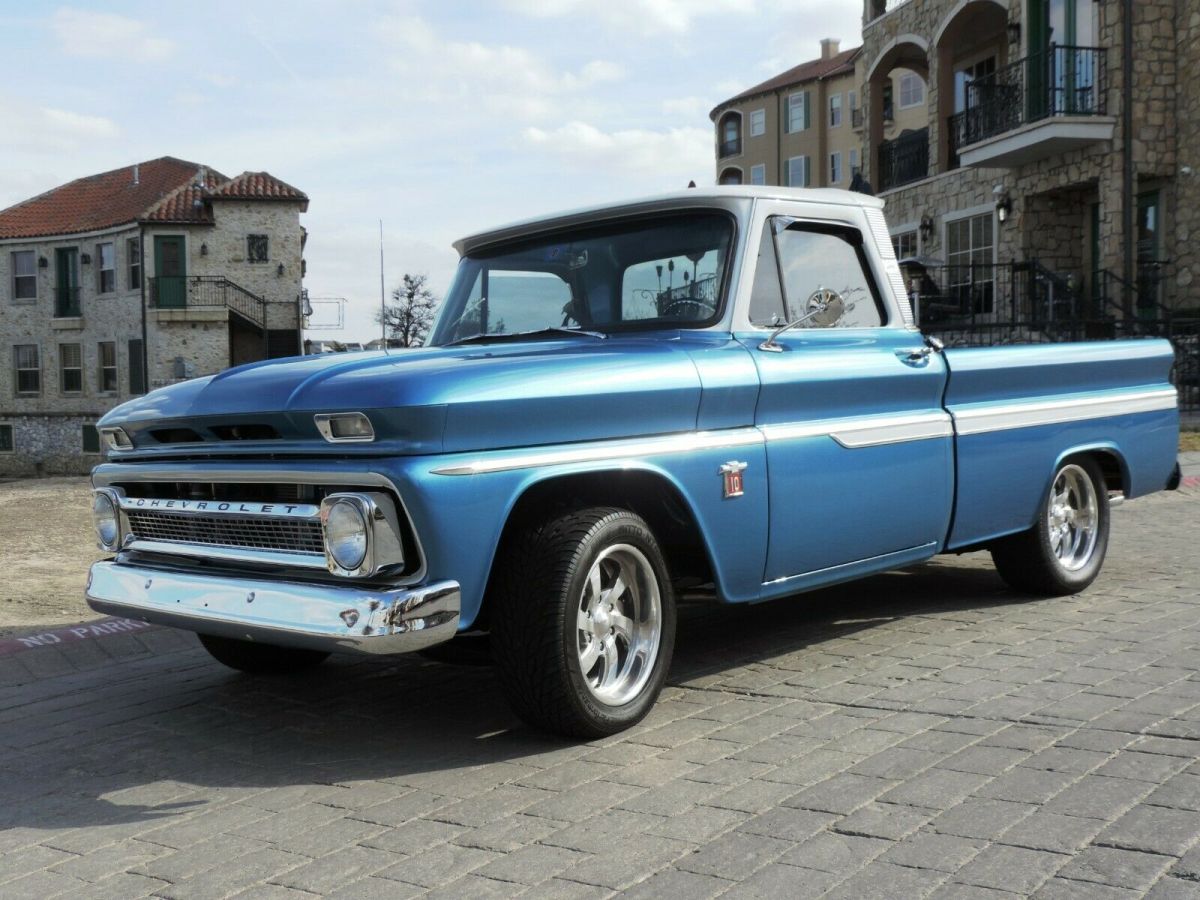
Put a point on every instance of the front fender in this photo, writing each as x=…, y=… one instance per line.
x=461, y=517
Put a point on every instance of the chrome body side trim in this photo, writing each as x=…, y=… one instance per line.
x=1027, y=414
x=602, y=451
x=867, y=431
x=320, y=617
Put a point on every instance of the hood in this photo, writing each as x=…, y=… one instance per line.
x=436, y=399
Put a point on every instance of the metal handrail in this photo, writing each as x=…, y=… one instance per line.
x=208, y=291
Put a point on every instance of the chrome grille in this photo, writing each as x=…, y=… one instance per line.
x=256, y=533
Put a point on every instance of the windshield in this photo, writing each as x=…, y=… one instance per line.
x=666, y=272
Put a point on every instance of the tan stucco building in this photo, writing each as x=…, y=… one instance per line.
x=121, y=282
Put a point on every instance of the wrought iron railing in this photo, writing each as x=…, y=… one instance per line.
x=66, y=302
x=1058, y=81
x=206, y=291
x=904, y=159
x=731, y=148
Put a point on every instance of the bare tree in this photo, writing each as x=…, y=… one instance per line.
x=409, y=316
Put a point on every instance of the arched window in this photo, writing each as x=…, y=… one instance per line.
x=730, y=131
x=732, y=175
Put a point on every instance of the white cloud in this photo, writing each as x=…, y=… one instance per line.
x=45, y=129
x=677, y=152
x=634, y=18
x=494, y=78
x=95, y=35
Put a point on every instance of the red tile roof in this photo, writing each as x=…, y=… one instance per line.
x=165, y=190
x=813, y=70
x=258, y=186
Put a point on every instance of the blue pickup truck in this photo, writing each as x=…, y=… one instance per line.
x=716, y=392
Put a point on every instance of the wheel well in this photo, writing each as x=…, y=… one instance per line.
x=1111, y=466
x=648, y=495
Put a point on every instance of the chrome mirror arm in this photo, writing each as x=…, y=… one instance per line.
x=769, y=344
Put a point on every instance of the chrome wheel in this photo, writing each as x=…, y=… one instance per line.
x=618, y=625
x=1073, y=517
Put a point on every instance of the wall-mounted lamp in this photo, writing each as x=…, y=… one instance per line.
x=1003, y=203
x=204, y=249
x=43, y=262
x=85, y=258
x=926, y=227
x=279, y=271
x=1014, y=32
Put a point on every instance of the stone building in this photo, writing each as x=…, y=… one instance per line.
x=1056, y=175
x=804, y=127
x=121, y=282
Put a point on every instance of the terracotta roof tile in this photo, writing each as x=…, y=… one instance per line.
x=165, y=190
x=258, y=186
x=812, y=70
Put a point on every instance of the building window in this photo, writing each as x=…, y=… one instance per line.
x=835, y=168
x=108, y=367
x=758, y=174
x=133, y=257
x=798, y=119
x=885, y=102
x=6, y=438
x=256, y=248
x=732, y=175
x=28, y=368
x=855, y=168
x=970, y=256
x=106, y=275
x=912, y=90
x=70, y=368
x=24, y=267
x=798, y=171
x=905, y=244
x=91, y=438
x=758, y=122
x=835, y=111
x=137, y=368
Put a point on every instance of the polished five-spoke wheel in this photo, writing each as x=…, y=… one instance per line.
x=1072, y=517
x=1063, y=552
x=583, y=621
x=618, y=624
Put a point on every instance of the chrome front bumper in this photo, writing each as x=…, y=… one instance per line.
x=293, y=614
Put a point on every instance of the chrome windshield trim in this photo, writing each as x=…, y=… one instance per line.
x=228, y=554
x=604, y=451
x=1027, y=414
x=221, y=508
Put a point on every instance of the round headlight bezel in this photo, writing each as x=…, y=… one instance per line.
x=106, y=520
x=347, y=536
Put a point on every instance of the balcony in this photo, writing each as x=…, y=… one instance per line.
x=206, y=294
x=1039, y=106
x=730, y=148
x=904, y=160
x=66, y=302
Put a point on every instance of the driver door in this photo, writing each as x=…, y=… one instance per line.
x=859, y=449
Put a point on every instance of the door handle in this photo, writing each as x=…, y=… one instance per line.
x=915, y=357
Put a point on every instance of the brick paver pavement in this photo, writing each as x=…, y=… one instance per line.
x=924, y=733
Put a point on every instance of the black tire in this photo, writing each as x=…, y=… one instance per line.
x=535, y=596
x=1028, y=561
x=260, y=659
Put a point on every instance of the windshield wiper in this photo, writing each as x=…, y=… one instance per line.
x=552, y=331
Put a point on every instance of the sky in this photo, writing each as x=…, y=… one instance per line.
x=441, y=119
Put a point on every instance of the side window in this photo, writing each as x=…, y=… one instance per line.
x=515, y=301
x=819, y=264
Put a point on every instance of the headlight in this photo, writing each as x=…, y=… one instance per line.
x=107, y=521
x=345, y=534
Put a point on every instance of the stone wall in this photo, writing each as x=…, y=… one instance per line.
x=48, y=445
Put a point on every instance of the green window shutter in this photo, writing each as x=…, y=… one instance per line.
x=807, y=169
x=807, y=110
x=91, y=439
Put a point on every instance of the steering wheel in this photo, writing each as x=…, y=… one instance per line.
x=676, y=308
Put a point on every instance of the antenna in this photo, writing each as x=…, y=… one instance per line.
x=382, y=294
